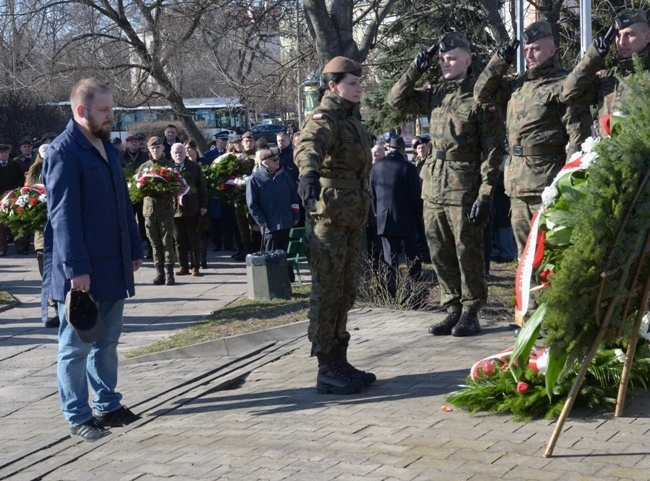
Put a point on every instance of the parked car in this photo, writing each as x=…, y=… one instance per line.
x=268, y=131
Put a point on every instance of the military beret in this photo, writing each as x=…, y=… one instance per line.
x=343, y=65
x=132, y=137
x=628, y=17
x=397, y=143
x=116, y=141
x=154, y=141
x=5, y=143
x=25, y=141
x=268, y=154
x=453, y=40
x=248, y=135
x=535, y=31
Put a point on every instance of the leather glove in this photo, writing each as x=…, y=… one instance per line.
x=602, y=45
x=422, y=61
x=309, y=186
x=508, y=51
x=479, y=212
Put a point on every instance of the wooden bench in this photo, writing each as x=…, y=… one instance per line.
x=296, y=251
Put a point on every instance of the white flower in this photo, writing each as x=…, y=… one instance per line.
x=42, y=198
x=587, y=159
x=588, y=145
x=620, y=355
x=549, y=195
x=23, y=200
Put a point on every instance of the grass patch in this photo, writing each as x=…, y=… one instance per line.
x=6, y=298
x=240, y=317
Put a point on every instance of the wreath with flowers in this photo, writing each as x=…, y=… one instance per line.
x=24, y=210
x=156, y=182
x=586, y=251
x=227, y=177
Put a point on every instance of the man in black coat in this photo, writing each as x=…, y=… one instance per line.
x=395, y=194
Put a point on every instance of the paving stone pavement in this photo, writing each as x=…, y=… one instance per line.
x=257, y=416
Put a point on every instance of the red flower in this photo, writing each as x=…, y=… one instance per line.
x=488, y=368
x=33, y=201
x=20, y=209
x=522, y=387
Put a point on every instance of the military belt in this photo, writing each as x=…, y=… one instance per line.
x=457, y=156
x=361, y=184
x=525, y=151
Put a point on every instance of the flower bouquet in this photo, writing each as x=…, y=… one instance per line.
x=227, y=176
x=156, y=182
x=24, y=210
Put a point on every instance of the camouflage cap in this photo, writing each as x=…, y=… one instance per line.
x=628, y=17
x=535, y=31
x=397, y=142
x=155, y=140
x=343, y=65
x=453, y=40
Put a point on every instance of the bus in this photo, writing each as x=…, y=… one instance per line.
x=212, y=115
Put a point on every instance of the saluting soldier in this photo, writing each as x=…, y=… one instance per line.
x=539, y=126
x=159, y=219
x=334, y=159
x=458, y=177
x=587, y=84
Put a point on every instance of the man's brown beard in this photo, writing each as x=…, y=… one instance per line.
x=99, y=131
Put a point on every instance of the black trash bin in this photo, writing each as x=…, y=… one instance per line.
x=267, y=275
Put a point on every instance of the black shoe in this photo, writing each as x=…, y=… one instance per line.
x=333, y=378
x=367, y=378
x=159, y=280
x=52, y=322
x=444, y=327
x=237, y=253
x=116, y=419
x=89, y=431
x=240, y=257
x=468, y=325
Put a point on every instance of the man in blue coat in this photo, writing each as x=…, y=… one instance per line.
x=92, y=244
x=395, y=198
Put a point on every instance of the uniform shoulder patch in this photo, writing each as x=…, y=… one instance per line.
x=317, y=116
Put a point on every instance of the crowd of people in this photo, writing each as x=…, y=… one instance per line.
x=436, y=206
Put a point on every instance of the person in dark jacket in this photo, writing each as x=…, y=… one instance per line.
x=91, y=244
x=395, y=198
x=272, y=200
x=186, y=217
x=286, y=155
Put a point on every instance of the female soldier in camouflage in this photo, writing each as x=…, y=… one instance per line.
x=334, y=159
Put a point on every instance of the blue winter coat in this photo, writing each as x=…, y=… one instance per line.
x=272, y=199
x=91, y=228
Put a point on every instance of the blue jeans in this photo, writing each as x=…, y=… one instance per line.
x=80, y=363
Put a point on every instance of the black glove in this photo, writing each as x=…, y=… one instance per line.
x=603, y=43
x=422, y=61
x=480, y=212
x=309, y=186
x=508, y=51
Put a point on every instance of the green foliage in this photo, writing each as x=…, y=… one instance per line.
x=226, y=177
x=497, y=392
x=597, y=217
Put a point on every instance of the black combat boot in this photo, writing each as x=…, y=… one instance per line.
x=159, y=280
x=467, y=325
x=366, y=377
x=334, y=378
x=444, y=327
x=169, y=271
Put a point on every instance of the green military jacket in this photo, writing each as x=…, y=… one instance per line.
x=197, y=197
x=585, y=85
x=466, y=139
x=159, y=206
x=539, y=126
x=334, y=143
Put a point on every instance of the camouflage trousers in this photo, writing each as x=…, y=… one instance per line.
x=521, y=213
x=333, y=255
x=160, y=231
x=457, y=256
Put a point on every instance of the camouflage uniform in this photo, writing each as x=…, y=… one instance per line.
x=159, y=221
x=335, y=144
x=586, y=86
x=462, y=166
x=539, y=126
